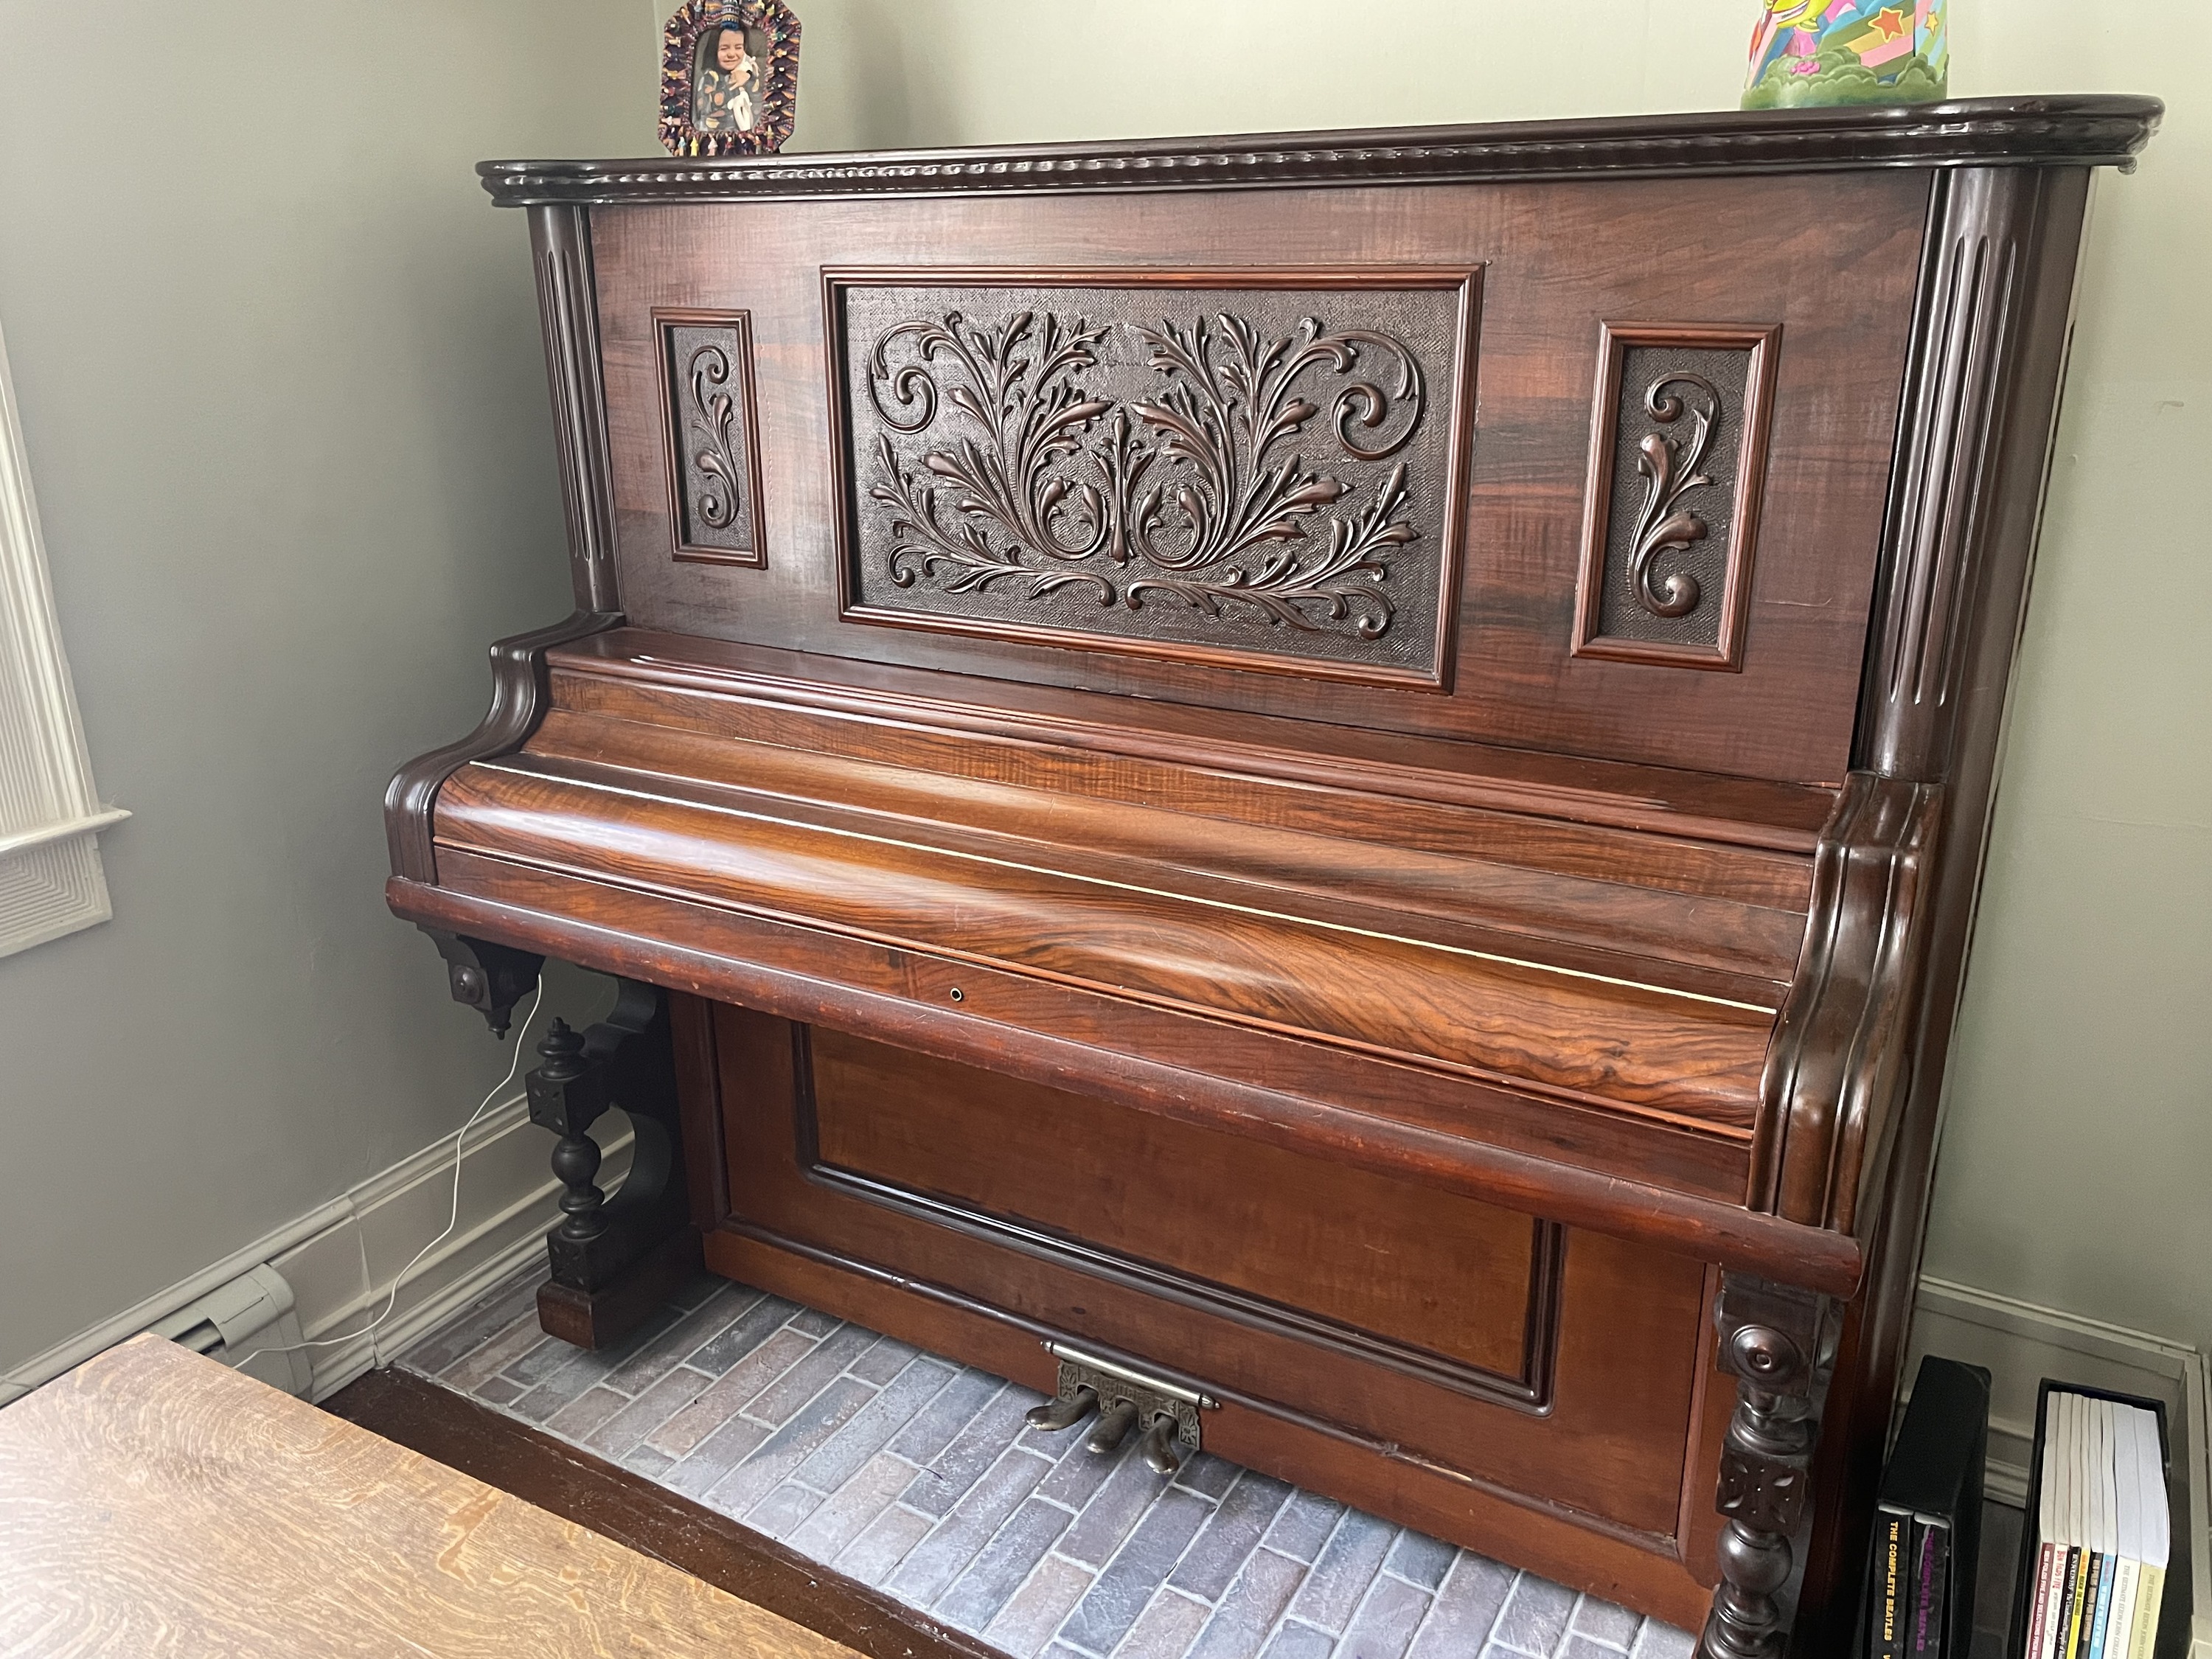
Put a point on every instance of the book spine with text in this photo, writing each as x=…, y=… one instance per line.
x=2085, y=1609
x=1932, y=1564
x=2069, y=1598
x=2103, y=1612
x=1892, y=1534
x=2038, y=1624
x=2122, y=1630
x=2150, y=1584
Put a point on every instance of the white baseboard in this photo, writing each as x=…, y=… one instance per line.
x=344, y=1259
x=2021, y=1343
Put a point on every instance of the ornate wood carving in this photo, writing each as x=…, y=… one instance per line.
x=1991, y=321
x=2085, y=132
x=711, y=435
x=1670, y=518
x=569, y=311
x=613, y=1260
x=1840, y=1055
x=566, y=1095
x=1776, y=1342
x=1237, y=468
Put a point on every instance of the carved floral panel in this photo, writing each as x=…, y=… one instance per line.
x=1677, y=464
x=1258, y=472
x=713, y=466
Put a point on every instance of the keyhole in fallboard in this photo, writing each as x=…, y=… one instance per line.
x=959, y=995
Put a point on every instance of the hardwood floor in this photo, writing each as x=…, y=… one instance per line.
x=431, y=1419
x=155, y=1502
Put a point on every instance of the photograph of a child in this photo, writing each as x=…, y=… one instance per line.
x=729, y=78
x=726, y=82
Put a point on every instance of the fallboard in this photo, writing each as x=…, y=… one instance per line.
x=1465, y=939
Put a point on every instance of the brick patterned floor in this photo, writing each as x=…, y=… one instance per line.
x=917, y=1475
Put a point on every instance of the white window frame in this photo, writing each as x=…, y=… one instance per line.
x=51, y=882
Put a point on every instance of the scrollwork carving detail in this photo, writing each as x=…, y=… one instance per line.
x=1677, y=471
x=1671, y=470
x=714, y=419
x=1196, y=492
x=712, y=439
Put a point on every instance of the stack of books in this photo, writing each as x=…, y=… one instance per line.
x=1927, y=1534
x=2103, y=1529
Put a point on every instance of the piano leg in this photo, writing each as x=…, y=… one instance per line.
x=1774, y=1339
x=614, y=1260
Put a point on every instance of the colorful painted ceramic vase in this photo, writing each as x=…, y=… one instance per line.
x=1847, y=51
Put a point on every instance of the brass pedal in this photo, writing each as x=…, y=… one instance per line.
x=1158, y=1444
x=1125, y=1399
x=1114, y=1426
x=1064, y=1413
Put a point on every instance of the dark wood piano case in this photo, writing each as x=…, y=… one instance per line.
x=1349, y=770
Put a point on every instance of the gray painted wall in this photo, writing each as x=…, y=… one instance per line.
x=278, y=365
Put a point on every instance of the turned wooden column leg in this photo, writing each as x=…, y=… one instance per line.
x=613, y=1260
x=567, y=1094
x=1772, y=1341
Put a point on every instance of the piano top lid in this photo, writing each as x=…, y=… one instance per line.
x=2094, y=130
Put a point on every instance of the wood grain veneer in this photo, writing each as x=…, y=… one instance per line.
x=473, y=1439
x=155, y=1501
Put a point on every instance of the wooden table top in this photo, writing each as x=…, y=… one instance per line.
x=156, y=1503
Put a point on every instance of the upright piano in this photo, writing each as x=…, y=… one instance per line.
x=1322, y=792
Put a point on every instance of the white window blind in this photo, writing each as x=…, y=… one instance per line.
x=50, y=815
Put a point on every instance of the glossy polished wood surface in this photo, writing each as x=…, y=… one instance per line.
x=1368, y=949
x=2053, y=130
x=1729, y=250
x=157, y=1502
x=1582, y=1421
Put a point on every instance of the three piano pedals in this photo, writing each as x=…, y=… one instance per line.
x=1123, y=1398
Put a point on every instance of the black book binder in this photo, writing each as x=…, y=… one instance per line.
x=1931, y=1491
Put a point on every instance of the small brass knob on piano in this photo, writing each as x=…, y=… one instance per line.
x=1113, y=1427
x=1056, y=1415
x=1160, y=1444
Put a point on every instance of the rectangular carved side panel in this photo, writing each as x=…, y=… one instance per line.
x=711, y=434
x=1254, y=469
x=1678, y=454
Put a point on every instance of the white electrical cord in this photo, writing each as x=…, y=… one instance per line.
x=452, y=1219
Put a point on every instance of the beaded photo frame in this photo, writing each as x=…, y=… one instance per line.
x=729, y=78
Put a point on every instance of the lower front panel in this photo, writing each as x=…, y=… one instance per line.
x=1496, y=1380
